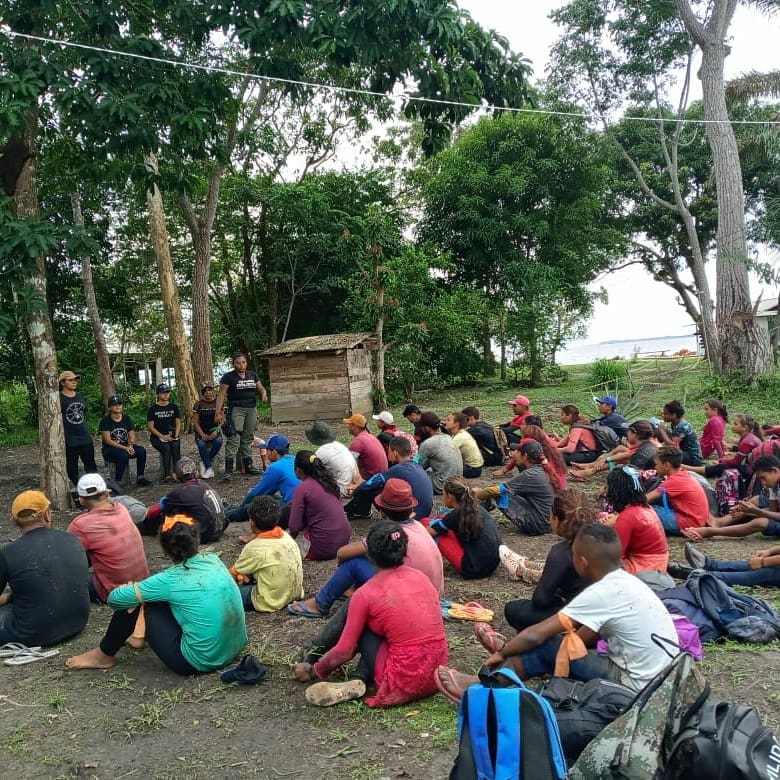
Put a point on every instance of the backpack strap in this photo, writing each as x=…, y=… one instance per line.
x=708, y=720
x=489, y=678
x=476, y=714
x=510, y=707
x=664, y=643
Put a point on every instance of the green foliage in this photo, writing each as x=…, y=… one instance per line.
x=612, y=373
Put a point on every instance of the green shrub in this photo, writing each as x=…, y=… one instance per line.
x=613, y=373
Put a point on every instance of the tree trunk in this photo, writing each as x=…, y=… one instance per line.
x=744, y=347
x=185, y=379
x=104, y=364
x=380, y=396
x=202, y=361
x=51, y=434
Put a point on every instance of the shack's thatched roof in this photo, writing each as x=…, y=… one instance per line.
x=329, y=343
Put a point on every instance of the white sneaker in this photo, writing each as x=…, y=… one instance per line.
x=512, y=562
x=208, y=473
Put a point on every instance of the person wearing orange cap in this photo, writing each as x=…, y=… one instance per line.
x=370, y=454
x=48, y=575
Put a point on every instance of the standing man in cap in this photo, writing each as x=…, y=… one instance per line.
x=439, y=455
x=610, y=417
x=240, y=388
x=370, y=454
x=208, y=435
x=78, y=439
x=388, y=430
x=164, y=423
x=279, y=478
x=117, y=431
x=48, y=574
x=337, y=458
x=108, y=533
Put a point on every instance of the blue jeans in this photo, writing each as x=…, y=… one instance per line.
x=246, y=596
x=6, y=611
x=667, y=516
x=594, y=666
x=740, y=573
x=350, y=574
x=121, y=458
x=208, y=450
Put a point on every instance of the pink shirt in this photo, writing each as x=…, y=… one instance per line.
x=114, y=546
x=372, y=458
x=422, y=553
x=711, y=440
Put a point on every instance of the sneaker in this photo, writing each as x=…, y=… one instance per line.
x=142, y=482
x=695, y=557
x=208, y=473
x=325, y=694
x=678, y=571
x=512, y=562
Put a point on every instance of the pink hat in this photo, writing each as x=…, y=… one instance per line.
x=520, y=399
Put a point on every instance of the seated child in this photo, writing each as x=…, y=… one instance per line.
x=639, y=453
x=683, y=500
x=269, y=570
x=681, y=433
x=616, y=606
x=759, y=514
x=467, y=535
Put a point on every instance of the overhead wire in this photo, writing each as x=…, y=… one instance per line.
x=367, y=92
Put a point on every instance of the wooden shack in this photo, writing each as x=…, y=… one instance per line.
x=321, y=377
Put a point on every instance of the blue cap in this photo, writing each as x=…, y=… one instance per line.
x=278, y=442
x=610, y=400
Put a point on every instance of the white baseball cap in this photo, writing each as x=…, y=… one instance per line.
x=385, y=417
x=91, y=485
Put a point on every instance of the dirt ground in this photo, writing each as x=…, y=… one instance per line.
x=140, y=720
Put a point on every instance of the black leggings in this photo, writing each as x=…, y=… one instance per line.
x=163, y=635
x=170, y=453
x=87, y=454
x=521, y=613
x=579, y=456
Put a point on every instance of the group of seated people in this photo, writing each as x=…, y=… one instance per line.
x=193, y=614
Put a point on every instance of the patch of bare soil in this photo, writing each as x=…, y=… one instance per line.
x=139, y=720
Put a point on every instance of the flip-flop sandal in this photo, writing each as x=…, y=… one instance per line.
x=14, y=648
x=440, y=685
x=472, y=610
x=488, y=637
x=30, y=657
x=326, y=694
x=303, y=611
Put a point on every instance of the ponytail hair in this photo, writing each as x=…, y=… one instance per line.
x=534, y=451
x=311, y=466
x=752, y=425
x=719, y=407
x=470, y=509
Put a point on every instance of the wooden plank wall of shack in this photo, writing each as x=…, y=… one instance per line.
x=360, y=381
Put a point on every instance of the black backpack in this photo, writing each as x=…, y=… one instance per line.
x=583, y=709
x=723, y=741
x=606, y=437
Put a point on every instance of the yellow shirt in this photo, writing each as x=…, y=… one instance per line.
x=278, y=571
x=469, y=450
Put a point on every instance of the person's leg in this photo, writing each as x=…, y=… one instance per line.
x=351, y=574
x=369, y=646
x=449, y=546
x=360, y=505
x=215, y=445
x=580, y=456
x=745, y=576
x=521, y=613
x=327, y=638
x=472, y=472
x=175, y=452
x=88, y=458
x=246, y=596
x=119, y=458
x=72, y=464
x=237, y=514
x=163, y=635
x=714, y=470
x=735, y=531
x=140, y=460
x=231, y=445
x=516, y=514
x=284, y=516
x=247, y=436
x=541, y=661
x=102, y=657
x=203, y=452
x=6, y=635
x=668, y=519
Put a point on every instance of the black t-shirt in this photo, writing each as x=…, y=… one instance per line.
x=164, y=418
x=241, y=390
x=559, y=582
x=644, y=455
x=480, y=556
x=206, y=412
x=200, y=501
x=49, y=575
x=74, y=418
x=486, y=441
x=118, y=430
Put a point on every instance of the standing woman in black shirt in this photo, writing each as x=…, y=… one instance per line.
x=240, y=387
x=78, y=439
x=164, y=423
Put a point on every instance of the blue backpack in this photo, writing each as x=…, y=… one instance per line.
x=507, y=733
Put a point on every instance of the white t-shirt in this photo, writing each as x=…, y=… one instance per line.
x=340, y=462
x=624, y=611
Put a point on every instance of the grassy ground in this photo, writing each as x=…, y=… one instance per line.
x=138, y=720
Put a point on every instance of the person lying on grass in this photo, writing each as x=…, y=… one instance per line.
x=758, y=514
x=194, y=616
x=762, y=569
x=467, y=535
x=558, y=582
x=398, y=653
x=269, y=571
x=617, y=607
x=639, y=453
x=396, y=503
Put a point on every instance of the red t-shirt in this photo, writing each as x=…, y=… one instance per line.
x=640, y=532
x=372, y=458
x=687, y=499
x=114, y=546
x=519, y=420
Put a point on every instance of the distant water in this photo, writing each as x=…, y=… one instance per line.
x=578, y=352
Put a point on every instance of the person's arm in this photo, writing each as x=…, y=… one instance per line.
x=351, y=550
x=663, y=434
x=220, y=416
x=765, y=559
x=527, y=640
x=262, y=391
x=572, y=440
x=297, y=521
x=654, y=495
x=154, y=588
x=107, y=441
x=346, y=647
x=177, y=424
x=195, y=422
x=267, y=485
x=556, y=570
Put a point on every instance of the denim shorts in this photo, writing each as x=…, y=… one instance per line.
x=772, y=528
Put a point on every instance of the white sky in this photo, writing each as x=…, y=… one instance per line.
x=755, y=46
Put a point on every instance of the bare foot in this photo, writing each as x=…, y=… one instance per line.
x=453, y=683
x=698, y=534
x=136, y=642
x=92, y=659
